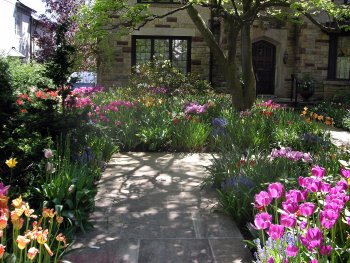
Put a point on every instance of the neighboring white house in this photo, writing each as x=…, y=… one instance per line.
x=17, y=27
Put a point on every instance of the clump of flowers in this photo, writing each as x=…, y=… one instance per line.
x=268, y=107
x=236, y=182
x=311, y=139
x=195, y=108
x=312, y=116
x=37, y=99
x=158, y=90
x=34, y=238
x=87, y=91
x=219, y=125
x=288, y=153
x=314, y=216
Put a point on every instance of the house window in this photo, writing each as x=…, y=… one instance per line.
x=18, y=24
x=175, y=49
x=339, y=57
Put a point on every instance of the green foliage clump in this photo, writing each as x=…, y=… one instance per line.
x=24, y=76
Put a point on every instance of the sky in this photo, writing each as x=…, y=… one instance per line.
x=37, y=5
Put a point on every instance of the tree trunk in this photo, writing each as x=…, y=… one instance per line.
x=227, y=64
x=232, y=73
x=249, y=92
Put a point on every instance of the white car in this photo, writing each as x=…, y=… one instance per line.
x=83, y=79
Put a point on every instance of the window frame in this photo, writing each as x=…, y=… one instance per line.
x=170, y=38
x=332, y=57
x=19, y=24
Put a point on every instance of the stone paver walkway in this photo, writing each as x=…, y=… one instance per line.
x=149, y=209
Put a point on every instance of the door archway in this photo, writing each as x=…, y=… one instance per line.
x=264, y=61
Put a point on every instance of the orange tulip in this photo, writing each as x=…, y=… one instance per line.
x=32, y=253
x=3, y=222
x=2, y=250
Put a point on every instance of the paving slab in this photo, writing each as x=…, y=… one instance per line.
x=150, y=209
x=175, y=251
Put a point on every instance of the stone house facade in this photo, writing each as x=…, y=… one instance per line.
x=280, y=50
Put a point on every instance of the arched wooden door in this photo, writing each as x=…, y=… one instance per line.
x=264, y=59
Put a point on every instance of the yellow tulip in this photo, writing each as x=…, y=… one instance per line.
x=11, y=162
x=22, y=242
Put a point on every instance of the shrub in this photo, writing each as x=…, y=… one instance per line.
x=160, y=74
x=26, y=75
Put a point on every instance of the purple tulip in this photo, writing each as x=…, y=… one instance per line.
x=328, y=218
x=307, y=209
x=325, y=250
x=275, y=231
x=343, y=185
x=345, y=172
x=296, y=195
x=290, y=206
x=318, y=171
x=312, y=239
x=276, y=190
x=313, y=260
x=270, y=260
x=288, y=220
x=263, y=199
x=4, y=189
x=325, y=187
x=311, y=184
x=262, y=220
x=291, y=251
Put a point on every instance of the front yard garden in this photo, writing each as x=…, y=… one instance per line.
x=276, y=172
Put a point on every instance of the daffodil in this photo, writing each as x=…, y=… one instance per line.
x=11, y=162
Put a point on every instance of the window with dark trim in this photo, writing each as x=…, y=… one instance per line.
x=159, y=1
x=339, y=56
x=175, y=49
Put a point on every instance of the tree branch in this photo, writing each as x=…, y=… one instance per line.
x=208, y=36
x=149, y=19
x=325, y=28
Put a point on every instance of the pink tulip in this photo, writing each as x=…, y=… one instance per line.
x=325, y=250
x=263, y=198
x=288, y=220
x=291, y=251
x=290, y=207
x=312, y=239
x=318, y=171
x=275, y=190
x=345, y=172
x=307, y=209
x=328, y=218
x=262, y=220
x=275, y=231
x=325, y=187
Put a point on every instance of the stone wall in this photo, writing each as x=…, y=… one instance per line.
x=116, y=71
x=306, y=46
